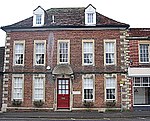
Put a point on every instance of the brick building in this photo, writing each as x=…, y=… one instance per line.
x=139, y=70
x=2, y=51
x=66, y=58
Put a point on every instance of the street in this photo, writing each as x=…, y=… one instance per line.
x=72, y=119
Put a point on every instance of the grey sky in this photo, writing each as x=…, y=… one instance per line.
x=133, y=12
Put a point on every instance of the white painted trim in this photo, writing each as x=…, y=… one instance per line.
x=58, y=47
x=38, y=11
x=138, y=72
x=90, y=10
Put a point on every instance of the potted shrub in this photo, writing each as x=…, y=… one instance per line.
x=88, y=104
x=16, y=102
x=38, y=103
x=111, y=104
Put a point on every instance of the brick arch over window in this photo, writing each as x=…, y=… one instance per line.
x=62, y=69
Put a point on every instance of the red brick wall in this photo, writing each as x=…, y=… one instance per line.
x=75, y=38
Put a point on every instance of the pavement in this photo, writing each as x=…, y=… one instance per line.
x=76, y=115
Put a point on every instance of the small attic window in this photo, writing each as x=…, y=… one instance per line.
x=38, y=19
x=38, y=16
x=90, y=16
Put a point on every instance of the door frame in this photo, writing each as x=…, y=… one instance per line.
x=70, y=83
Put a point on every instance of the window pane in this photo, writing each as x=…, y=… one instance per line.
x=18, y=85
x=90, y=18
x=110, y=52
x=88, y=52
x=38, y=19
x=19, y=53
x=88, y=88
x=40, y=53
x=110, y=88
x=38, y=87
x=144, y=54
x=63, y=52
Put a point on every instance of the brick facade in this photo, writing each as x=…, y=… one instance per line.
x=106, y=29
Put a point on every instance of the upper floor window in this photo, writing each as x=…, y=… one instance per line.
x=88, y=87
x=144, y=53
x=18, y=52
x=40, y=52
x=38, y=16
x=110, y=92
x=38, y=19
x=88, y=52
x=17, y=87
x=63, y=51
x=90, y=15
x=38, y=87
x=110, y=54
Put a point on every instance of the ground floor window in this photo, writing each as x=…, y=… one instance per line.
x=141, y=88
x=110, y=88
x=88, y=87
x=17, y=91
x=38, y=87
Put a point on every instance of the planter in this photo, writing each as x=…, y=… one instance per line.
x=88, y=104
x=110, y=104
x=38, y=103
x=16, y=102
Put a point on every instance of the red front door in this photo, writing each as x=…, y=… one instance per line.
x=63, y=93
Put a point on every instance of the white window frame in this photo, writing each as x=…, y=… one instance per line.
x=39, y=42
x=58, y=51
x=14, y=53
x=108, y=76
x=13, y=81
x=88, y=76
x=90, y=10
x=33, y=90
x=110, y=41
x=36, y=12
x=144, y=43
x=93, y=52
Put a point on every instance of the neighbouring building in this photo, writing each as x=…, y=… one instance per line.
x=66, y=58
x=2, y=53
x=139, y=69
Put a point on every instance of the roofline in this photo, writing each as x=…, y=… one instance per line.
x=138, y=38
x=7, y=28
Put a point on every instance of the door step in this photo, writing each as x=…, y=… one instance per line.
x=63, y=110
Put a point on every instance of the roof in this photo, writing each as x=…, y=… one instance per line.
x=139, y=32
x=67, y=17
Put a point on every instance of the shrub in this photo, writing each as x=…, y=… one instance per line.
x=110, y=104
x=88, y=104
x=38, y=103
x=16, y=102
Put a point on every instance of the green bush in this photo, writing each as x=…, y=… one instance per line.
x=16, y=102
x=38, y=103
x=110, y=104
x=88, y=104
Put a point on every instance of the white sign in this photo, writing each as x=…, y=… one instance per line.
x=76, y=92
